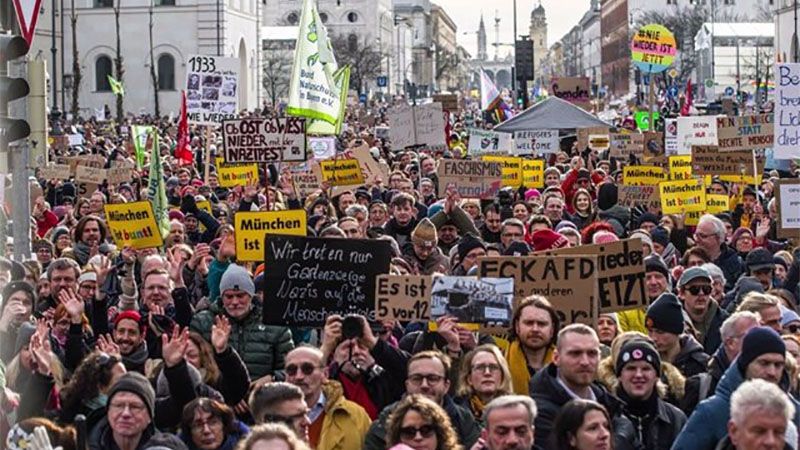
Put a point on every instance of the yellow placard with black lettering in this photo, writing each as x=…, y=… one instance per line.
x=342, y=172
x=742, y=179
x=680, y=167
x=533, y=173
x=510, y=169
x=133, y=225
x=642, y=175
x=682, y=196
x=715, y=204
x=237, y=175
x=253, y=227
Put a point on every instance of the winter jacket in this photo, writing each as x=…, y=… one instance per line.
x=712, y=339
x=436, y=261
x=261, y=347
x=691, y=360
x=229, y=443
x=234, y=381
x=457, y=217
x=550, y=396
x=731, y=264
x=619, y=213
x=400, y=233
x=463, y=422
x=708, y=424
x=671, y=378
x=102, y=437
x=658, y=434
x=345, y=423
x=701, y=386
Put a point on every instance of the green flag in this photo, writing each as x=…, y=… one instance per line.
x=139, y=134
x=116, y=86
x=320, y=127
x=156, y=189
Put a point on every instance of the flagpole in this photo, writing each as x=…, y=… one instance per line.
x=208, y=153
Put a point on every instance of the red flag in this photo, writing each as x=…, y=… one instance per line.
x=687, y=105
x=183, y=150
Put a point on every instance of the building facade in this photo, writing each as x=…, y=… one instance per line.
x=417, y=14
x=538, y=36
x=446, y=55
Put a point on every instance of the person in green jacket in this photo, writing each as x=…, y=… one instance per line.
x=263, y=348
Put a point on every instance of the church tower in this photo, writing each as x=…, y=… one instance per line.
x=538, y=35
x=482, y=56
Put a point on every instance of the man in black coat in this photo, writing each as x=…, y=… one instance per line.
x=694, y=290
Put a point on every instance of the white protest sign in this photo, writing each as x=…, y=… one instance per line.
x=212, y=89
x=75, y=140
x=429, y=121
x=486, y=141
x=322, y=147
x=788, y=198
x=671, y=136
x=401, y=126
x=264, y=140
x=536, y=142
x=787, y=111
x=696, y=130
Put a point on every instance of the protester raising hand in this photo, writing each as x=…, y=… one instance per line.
x=107, y=345
x=176, y=260
x=220, y=333
x=102, y=269
x=73, y=305
x=173, y=349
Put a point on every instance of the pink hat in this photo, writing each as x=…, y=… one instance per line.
x=532, y=193
x=176, y=215
x=604, y=237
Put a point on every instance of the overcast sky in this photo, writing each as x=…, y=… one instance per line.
x=561, y=16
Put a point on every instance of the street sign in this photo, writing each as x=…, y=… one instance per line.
x=362, y=98
x=27, y=15
x=673, y=73
x=383, y=81
x=729, y=91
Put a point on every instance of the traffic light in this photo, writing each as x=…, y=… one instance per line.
x=11, y=88
x=523, y=59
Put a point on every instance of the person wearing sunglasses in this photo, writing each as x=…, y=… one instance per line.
x=282, y=403
x=695, y=289
x=421, y=424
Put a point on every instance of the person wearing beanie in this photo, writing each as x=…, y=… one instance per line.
x=762, y=356
x=694, y=289
x=451, y=223
x=657, y=282
x=604, y=237
x=760, y=264
x=129, y=334
x=422, y=252
x=647, y=241
x=469, y=250
x=262, y=347
x=664, y=321
x=130, y=415
x=647, y=222
x=656, y=423
x=609, y=208
x=19, y=302
x=547, y=239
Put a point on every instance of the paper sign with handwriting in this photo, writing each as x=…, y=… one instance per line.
x=403, y=297
x=787, y=111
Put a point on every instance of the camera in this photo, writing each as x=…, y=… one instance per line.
x=351, y=327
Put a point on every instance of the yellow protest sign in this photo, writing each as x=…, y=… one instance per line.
x=341, y=172
x=133, y=225
x=511, y=168
x=743, y=179
x=237, y=175
x=680, y=167
x=533, y=173
x=252, y=228
x=642, y=175
x=715, y=204
x=682, y=196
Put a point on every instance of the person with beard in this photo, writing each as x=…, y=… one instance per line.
x=710, y=236
x=90, y=236
x=656, y=423
x=422, y=253
x=694, y=289
x=665, y=326
x=403, y=219
x=535, y=324
x=129, y=335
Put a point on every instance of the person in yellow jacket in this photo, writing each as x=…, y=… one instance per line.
x=535, y=327
x=335, y=422
x=657, y=281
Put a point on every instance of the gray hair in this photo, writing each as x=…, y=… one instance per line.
x=333, y=231
x=726, y=330
x=352, y=210
x=719, y=226
x=514, y=223
x=715, y=272
x=759, y=396
x=510, y=401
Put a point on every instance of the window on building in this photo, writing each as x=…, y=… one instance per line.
x=103, y=3
x=672, y=2
x=292, y=18
x=164, y=2
x=166, y=72
x=352, y=42
x=352, y=17
x=102, y=69
x=729, y=2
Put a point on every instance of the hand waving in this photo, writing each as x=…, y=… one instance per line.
x=220, y=332
x=173, y=350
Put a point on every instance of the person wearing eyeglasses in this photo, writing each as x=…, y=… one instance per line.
x=211, y=425
x=483, y=376
x=129, y=421
x=694, y=290
x=427, y=375
x=335, y=422
x=421, y=424
x=283, y=403
x=710, y=236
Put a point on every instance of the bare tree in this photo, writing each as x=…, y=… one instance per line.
x=277, y=71
x=758, y=68
x=363, y=56
x=446, y=65
x=120, y=71
x=153, y=75
x=77, y=77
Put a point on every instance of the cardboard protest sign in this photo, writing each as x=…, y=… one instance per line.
x=237, y=175
x=653, y=148
x=536, y=142
x=309, y=279
x=84, y=189
x=632, y=196
x=252, y=228
x=133, y=225
x=787, y=194
x=642, y=175
x=583, y=135
x=118, y=175
x=418, y=125
x=620, y=273
x=680, y=167
x=624, y=144
x=449, y=101
x=707, y=160
x=736, y=133
x=54, y=172
x=696, y=130
x=341, y=172
x=575, y=90
x=260, y=140
x=599, y=142
x=471, y=300
x=682, y=196
x=401, y=126
x=533, y=173
x=472, y=179
x=403, y=297
x=787, y=111
x=511, y=169
x=212, y=89
x=568, y=281
x=90, y=174
x=306, y=182
x=486, y=141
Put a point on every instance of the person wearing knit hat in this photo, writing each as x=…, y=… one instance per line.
x=130, y=414
x=760, y=264
x=422, y=252
x=547, y=239
x=129, y=334
x=19, y=303
x=657, y=282
x=647, y=241
x=607, y=328
x=665, y=321
x=469, y=250
x=604, y=237
x=660, y=237
x=638, y=369
x=647, y=221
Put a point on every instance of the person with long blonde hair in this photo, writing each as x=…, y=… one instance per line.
x=483, y=376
